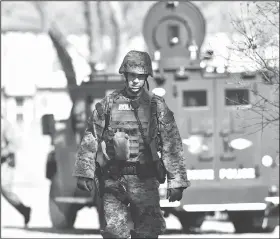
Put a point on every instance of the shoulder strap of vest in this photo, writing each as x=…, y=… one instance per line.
x=154, y=104
x=108, y=112
x=109, y=104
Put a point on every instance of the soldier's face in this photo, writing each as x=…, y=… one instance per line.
x=135, y=82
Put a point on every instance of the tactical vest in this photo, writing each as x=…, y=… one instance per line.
x=122, y=119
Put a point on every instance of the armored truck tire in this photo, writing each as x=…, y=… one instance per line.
x=249, y=222
x=190, y=221
x=62, y=215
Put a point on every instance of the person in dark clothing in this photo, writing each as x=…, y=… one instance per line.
x=8, y=159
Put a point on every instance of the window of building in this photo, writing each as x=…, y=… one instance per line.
x=194, y=98
x=19, y=118
x=19, y=101
x=44, y=102
x=237, y=96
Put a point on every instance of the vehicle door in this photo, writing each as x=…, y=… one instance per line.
x=238, y=142
x=195, y=119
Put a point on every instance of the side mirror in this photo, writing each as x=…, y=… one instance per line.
x=48, y=124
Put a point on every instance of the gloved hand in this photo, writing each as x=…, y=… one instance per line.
x=85, y=184
x=174, y=194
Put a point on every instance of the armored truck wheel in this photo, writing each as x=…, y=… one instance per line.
x=190, y=220
x=62, y=215
x=249, y=221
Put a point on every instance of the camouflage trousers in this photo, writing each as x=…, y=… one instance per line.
x=144, y=211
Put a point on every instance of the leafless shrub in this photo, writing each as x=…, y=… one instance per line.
x=257, y=45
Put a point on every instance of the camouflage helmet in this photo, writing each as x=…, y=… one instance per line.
x=137, y=62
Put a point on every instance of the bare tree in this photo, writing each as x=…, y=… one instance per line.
x=117, y=21
x=101, y=19
x=96, y=30
x=59, y=42
x=89, y=31
x=42, y=10
x=258, y=48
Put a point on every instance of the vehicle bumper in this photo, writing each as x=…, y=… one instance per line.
x=274, y=200
x=227, y=198
x=224, y=207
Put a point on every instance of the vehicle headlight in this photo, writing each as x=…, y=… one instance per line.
x=267, y=161
x=240, y=143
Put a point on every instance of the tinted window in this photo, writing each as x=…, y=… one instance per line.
x=237, y=97
x=19, y=118
x=19, y=101
x=194, y=98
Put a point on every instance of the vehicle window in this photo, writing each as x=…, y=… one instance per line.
x=237, y=96
x=194, y=98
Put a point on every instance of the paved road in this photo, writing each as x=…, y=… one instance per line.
x=86, y=225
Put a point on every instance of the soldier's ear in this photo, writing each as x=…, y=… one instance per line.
x=126, y=80
x=125, y=76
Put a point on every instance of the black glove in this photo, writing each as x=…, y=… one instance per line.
x=174, y=194
x=85, y=184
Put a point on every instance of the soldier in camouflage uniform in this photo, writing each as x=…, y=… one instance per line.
x=123, y=144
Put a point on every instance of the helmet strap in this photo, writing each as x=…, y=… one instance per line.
x=146, y=82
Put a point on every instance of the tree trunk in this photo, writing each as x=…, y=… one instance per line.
x=117, y=22
x=60, y=44
x=41, y=9
x=89, y=32
x=101, y=22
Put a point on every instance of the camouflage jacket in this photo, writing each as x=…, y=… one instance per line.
x=171, y=152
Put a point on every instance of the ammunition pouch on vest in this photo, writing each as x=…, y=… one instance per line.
x=160, y=171
x=146, y=170
x=121, y=146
